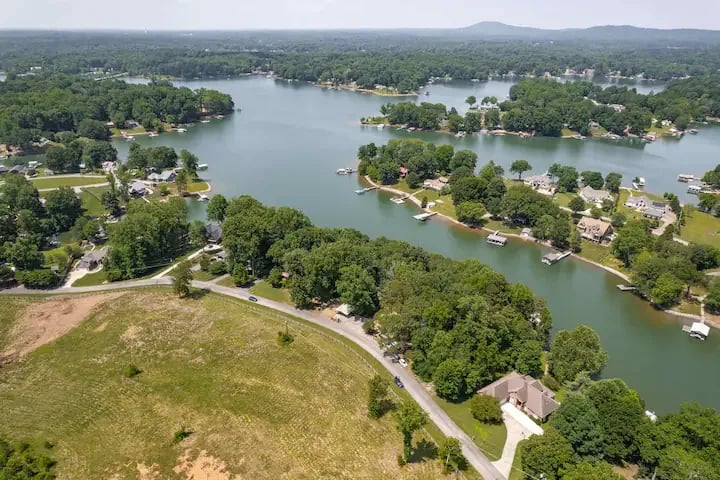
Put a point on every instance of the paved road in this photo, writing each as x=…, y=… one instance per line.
x=348, y=329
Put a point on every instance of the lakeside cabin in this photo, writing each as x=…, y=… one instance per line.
x=496, y=239
x=694, y=189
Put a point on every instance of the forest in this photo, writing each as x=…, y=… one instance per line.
x=41, y=106
x=396, y=59
x=546, y=107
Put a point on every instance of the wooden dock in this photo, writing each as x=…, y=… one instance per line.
x=424, y=216
x=626, y=288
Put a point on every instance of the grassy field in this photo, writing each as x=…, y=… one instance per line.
x=566, y=132
x=489, y=438
x=265, y=290
x=203, y=276
x=687, y=306
x=197, y=186
x=92, y=201
x=563, y=199
x=443, y=204
x=210, y=366
x=702, y=228
x=602, y=255
x=91, y=279
x=403, y=187
x=57, y=182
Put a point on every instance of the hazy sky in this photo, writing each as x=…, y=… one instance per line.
x=277, y=14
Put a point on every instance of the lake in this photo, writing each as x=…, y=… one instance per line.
x=289, y=139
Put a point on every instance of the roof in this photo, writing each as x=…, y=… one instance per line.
x=213, y=231
x=637, y=201
x=592, y=195
x=496, y=238
x=701, y=328
x=543, y=180
x=95, y=256
x=137, y=186
x=654, y=213
x=344, y=309
x=538, y=399
x=659, y=204
x=594, y=225
x=164, y=176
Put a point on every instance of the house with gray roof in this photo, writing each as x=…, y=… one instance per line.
x=654, y=213
x=640, y=202
x=94, y=258
x=525, y=393
x=213, y=232
x=137, y=189
x=166, y=176
x=593, y=196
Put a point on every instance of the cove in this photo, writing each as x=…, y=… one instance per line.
x=289, y=139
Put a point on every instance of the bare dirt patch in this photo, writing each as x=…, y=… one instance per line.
x=45, y=322
x=147, y=473
x=204, y=467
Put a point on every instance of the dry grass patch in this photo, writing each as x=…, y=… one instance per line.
x=213, y=366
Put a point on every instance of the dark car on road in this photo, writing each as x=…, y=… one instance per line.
x=399, y=382
x=252, y=299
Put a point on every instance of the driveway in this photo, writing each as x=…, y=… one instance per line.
x=519, y=427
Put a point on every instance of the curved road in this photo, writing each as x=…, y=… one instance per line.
x=349, y=330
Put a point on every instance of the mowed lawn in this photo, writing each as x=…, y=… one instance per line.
x=57, y=182
x=490, y=438
x=265, y=290
x=701, y=227
x=211, y=366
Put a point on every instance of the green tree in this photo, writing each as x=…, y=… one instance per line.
x=613, y=181
x=578, y=421
x=94, y=129
x=216, y=208
x=378, y=402
x=64, y=207
x=486, y=409
x=592, y=179
x=413, y=180
x=577, y=204
x=23, y=254
x=449, y=379
x=594, y=471
x=618, y=219
x=409, y=418
x=520, y=167
x=575, y=351
x=667, y=290
x=443, y=154
x=182, y=277
x=464, y=158
x=189, y=163
x=240, y=275
x=22, y=462
x=450, y=452
x=181, y=181
x=198, y=236
x=632, y=239
x=575, y=241
x=471, y=213
x=595, y=212
x=546, y=456
x=712, y=299
x=471, y=100
x=357, y=288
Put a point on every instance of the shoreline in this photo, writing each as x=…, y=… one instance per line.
x=348, y=88
x=617, y=273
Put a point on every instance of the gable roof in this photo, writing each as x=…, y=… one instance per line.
x=594, y=226
x=642, y=200
x=536, y=398
x=592, y=195
x=213, y=231
x=654, y=212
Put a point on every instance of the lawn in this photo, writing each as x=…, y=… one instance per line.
x=265, y=290
x=211, y=366
x=690, y=307
x=91, y=279
x=566, y=132
x=499, y=225
x=701, y=227
x=444, y=205
x=227, y=282
x=57, y=182
x=602, y=255
x=563, y=199
x=403, y=187
x=489, y=438
x=92, y=201
x=203, y=276
x=198, y=186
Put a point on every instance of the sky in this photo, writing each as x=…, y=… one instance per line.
x=325, y=14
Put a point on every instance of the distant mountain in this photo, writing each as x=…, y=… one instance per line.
x=603, y=34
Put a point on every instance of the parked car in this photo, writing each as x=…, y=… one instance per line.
x=399, y=382
x=252, y=299
x=403, y=362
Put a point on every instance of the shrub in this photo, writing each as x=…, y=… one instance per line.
x=369, y=326
x=204, y=263
x=164, y=190
x=275, y=277
x=550, y=382
x=218, y=268
x=401, y=460
x=42, y=278
x=131, y=371
x=181, y=435
x=240, y=275
x=486, y=409
x=284, y=338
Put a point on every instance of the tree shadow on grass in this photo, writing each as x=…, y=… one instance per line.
x=424, y=450
x=197, y=293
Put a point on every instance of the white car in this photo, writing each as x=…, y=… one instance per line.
x=403, y=362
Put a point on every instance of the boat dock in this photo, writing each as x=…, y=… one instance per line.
x=554, y=257
x=424, y=216
x=686, y=177
x=399, y=200
x=496, y=239
x=626, y=288
x=697, y=330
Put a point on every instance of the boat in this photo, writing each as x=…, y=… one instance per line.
x=694, y=189
x=343, y=171
x=205, y=121
x=153, y=135
x=639, y=183
x=361, y=191
x=460, y=134
x=496, y=239
x=203, y=197
x=693, y=131
x=427, y=93
x=181, y=130
x=129, y=138
x=380, y=126
x=202, y=166
x=397, y=200
x=685, y=177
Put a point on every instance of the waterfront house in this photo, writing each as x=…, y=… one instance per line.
x=93, y=259
x=659, y=205
x=654, y=213
x=137, y=189
x=525, y=393
x=542, y=183
x=594, y=229
x=436, y=184
x=213, y=232
x=166, y=176
x=593, y=196
x=640, y=202
x=694, y=189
